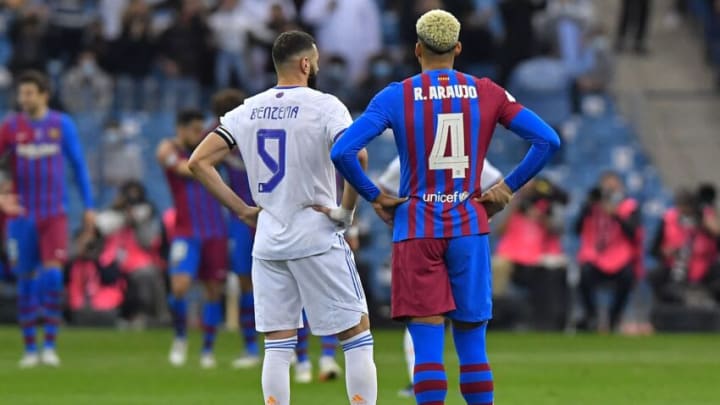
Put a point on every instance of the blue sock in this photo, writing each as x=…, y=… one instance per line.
x=476, y=379
x=329, y=344
x=247, y=323
x=430, y=380
x=178, y=309
x=28, y=291
x=301, y=350
x=51, y=287
x=212, y=315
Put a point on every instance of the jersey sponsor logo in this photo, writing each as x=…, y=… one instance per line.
x=275, y=113
x=37, y=150
x=445, y=92
x=457, y=196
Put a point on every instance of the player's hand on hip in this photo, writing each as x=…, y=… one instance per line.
x=250, y=216
x=89, y=220
x=339, y=215
x=496, y=198
x=10, y=204
x=385, y=205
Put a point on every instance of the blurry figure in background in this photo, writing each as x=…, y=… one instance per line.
x=520, y=40
x=38, y=142
x=611, y=248
x=329, y=368
x=134, y=84
x=131, y=229
x=599, y=61
x=95, y=291
x=69, y=20
x=482, y=33
x=348, y=28
x=184, y=47
x=120, y=158
x=86, y=88
x=334, y=81
x=240, y=235
x=686, y=244
x=29, y=37
x=381, y=72
x=199, y=245
x=530, y=242
x=232, y=28
x=634, y=15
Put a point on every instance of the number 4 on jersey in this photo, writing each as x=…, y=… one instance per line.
x=450, y=127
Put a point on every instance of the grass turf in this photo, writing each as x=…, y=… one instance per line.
x=109, y=367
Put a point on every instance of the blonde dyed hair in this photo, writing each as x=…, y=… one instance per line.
x=439, y=30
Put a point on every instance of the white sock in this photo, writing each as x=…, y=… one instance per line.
x=360, y=373
x=409, y=354
x=276, y=370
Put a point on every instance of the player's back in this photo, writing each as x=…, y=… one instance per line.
x=285, y=136
x=443, y=121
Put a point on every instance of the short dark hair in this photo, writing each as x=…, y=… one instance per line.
x=226, y=100
x=185, y=117
x=39, y=79
x=289, y=44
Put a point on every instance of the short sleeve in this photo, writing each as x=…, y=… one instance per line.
x=338, y=118
x=507, y=106
x=390, y=179
x=489, y=176
x=229, y=127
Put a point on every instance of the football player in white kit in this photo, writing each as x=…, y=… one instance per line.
x=389, y=182
x=300, y=258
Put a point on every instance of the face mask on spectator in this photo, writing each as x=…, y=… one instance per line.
x=88, y=67
x=381, y=70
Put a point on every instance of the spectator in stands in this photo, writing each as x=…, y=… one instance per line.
x=348, y=28
x=610, y=248
x=634, y=15
x=599, y=62
x=232, y=29
x=381, y=72
x=334, y=81
x=520, y=41
x=120, y=159
x=530, y=241
x=482, y=33
x=134, y=84
x=686, y=244
x=185, y=48
x=29, y=37
x=131, y=229
x=69, y=20
x=86, y=87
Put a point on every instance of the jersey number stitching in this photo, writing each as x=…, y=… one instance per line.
x=450, y=127
x=275, y=165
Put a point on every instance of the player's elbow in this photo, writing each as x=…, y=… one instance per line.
x=554, y=142
x=195, y=164
x=337, y=155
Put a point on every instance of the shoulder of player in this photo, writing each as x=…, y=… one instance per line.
x=165, y=147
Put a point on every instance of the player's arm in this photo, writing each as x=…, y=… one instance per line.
x=210, y=153
x=170, y=159
x=72, y=149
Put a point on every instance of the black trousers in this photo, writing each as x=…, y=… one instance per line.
x=621, y=283
x=547, y=297
x=634, y=15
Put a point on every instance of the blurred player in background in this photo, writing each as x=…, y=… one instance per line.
x=240, y=236
x=389, y=183
x=300, y=258
x=329, y=368
x=443, y=121
x=199, y=243
x=36, y=143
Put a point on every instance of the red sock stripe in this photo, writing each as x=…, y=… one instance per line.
x=430, y=385
x=469, y=368
x=419, y=368
x=476, y=387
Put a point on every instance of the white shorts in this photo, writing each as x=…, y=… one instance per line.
x=326, y=285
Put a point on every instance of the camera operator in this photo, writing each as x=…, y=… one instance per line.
x=610, y=248
x=132, y=236
x=686, y=244
x=530, y=241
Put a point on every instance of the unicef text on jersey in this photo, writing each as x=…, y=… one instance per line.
x=457, y=196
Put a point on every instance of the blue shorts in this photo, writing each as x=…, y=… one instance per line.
x=32, y=242
x=449, y=277
x=241, y=239
x=204, y=259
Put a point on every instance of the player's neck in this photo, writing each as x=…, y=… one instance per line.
x=38, y=114
x=436, y=66
x=292, y=81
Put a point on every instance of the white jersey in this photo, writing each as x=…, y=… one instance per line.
x=390, y=179
x=285, y=136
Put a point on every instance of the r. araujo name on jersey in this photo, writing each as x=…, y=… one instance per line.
x=285, y=136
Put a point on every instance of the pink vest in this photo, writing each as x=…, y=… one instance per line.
x=526, y=241
x=123, y=245
x=703, y=250
x=85, y=289
x=603, y=243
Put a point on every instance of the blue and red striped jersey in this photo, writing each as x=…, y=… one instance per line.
x=238, y=177
x=198, y=213
x=37, y=150
x=443, y=121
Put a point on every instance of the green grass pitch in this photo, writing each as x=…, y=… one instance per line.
x=109, y=367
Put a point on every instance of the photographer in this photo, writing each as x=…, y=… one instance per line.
x=686, y=246
x=610, y=248
x=132, y=236
x=530, y=242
